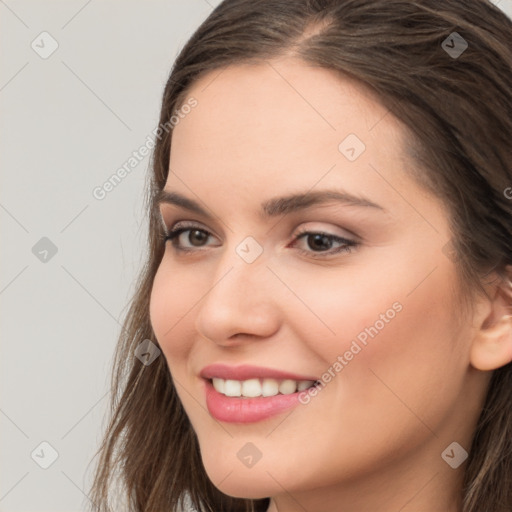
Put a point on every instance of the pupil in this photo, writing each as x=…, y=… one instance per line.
x=320, y=238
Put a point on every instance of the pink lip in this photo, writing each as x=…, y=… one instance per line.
x=247, y=410
x=246, y=372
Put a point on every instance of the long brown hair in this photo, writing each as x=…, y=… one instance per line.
x=458, y=110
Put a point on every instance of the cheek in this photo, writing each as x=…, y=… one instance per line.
x=382, y=348
x=172, y=298
x=404, y=361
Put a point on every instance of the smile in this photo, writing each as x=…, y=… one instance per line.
x=247, y=394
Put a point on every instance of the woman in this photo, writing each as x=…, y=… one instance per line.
x=330, y=263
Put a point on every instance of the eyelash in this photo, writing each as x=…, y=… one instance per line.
x=348, y=246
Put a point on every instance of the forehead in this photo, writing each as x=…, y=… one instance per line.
x=285, y=97
x=280, y=113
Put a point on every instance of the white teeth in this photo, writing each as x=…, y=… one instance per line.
x=270, y=387
x=218, y=384
x=304, y=384
x=287, y=387
x=232, y=388
x=252, y=388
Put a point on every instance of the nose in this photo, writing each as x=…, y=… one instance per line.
x=241, y=302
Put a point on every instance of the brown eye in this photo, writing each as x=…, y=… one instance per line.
x=196, y=236
x=192, y=237
x=317, y=241
x=320, y=244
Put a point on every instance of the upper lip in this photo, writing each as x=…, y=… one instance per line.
x=246, y=372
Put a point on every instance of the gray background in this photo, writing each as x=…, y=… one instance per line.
x=68, y=123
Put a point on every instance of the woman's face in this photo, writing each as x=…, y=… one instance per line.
x=371, y=315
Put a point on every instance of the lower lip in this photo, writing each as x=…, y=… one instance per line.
x=246, y=410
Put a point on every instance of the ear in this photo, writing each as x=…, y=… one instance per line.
x=492, y=345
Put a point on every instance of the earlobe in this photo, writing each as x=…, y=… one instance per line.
x=492, y=345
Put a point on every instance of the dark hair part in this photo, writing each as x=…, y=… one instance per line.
x=458, y=112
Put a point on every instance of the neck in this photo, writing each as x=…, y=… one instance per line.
x=428, y=489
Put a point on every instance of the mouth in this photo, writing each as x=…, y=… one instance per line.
x=247, y=394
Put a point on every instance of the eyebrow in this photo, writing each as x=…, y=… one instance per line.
x=276, y=206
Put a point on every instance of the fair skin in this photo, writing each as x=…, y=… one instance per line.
x=372, y=438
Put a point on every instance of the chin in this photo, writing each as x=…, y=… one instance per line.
x=240, y=482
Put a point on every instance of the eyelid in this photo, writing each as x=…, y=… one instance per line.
x=303, y=229
x=346, y=233
x=187, y=224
